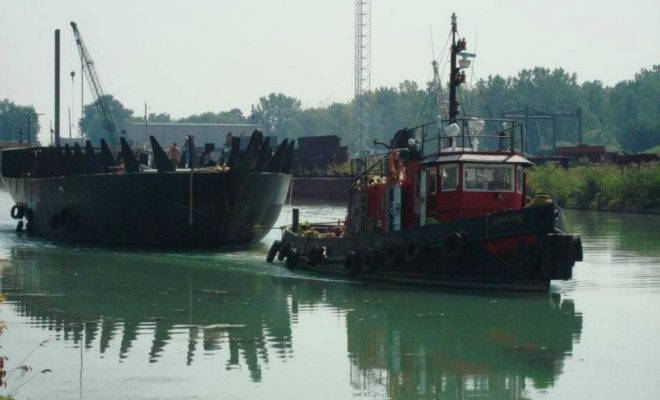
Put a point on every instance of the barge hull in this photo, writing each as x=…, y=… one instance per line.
x=179, y=208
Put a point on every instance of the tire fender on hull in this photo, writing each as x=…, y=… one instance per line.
x=372, y=259
x=353, y=263
x=392, y=254
x=314, y=256
x=412, y=252
x=283, y=251
x=72, y=225
x=17, y=212
x=452, y=245
x=292, y=258
x=272, y=252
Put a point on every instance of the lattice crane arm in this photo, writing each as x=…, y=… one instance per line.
x=110, y=122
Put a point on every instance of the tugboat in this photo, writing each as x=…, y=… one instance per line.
x=438, y=209
x=91, y=195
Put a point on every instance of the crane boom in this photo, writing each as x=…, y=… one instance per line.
x=110, y=122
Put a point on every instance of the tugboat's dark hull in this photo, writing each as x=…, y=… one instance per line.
x=512, y=250
x=149, y=208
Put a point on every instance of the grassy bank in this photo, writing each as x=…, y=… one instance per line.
x=600, y=187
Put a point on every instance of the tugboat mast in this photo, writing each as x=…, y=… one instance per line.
x=456, y=76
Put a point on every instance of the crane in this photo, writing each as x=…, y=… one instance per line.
x=110, y=122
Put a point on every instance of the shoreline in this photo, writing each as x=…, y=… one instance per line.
x=600, y=187
x=612, y=210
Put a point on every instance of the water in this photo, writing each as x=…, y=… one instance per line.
x=117, y=323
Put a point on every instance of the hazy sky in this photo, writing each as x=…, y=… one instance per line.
x=185, y=57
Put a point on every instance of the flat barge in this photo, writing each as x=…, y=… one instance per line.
x=91, y=195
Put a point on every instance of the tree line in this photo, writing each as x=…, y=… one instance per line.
x=623, y=116
x=18, y=123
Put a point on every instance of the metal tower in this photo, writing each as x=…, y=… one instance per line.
x=362, y=72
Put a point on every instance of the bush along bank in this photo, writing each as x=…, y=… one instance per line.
x=633, y=187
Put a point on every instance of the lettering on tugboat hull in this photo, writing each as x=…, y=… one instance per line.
x=517, y=219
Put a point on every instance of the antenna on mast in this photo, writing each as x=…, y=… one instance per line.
x=456, y=75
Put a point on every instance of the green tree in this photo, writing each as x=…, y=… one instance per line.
x=160, y=117
x=413, y=104
x=280, y=114
x=340, y=119
x=93, y=124
x=550, y=91
x=536, y=89
x=382, y=110
x=14, y=122
x=313, y=122
x=636, y=108
x=494, y=96
x=336, y=119
x=546, y=89
x=597, y=114
x=394, y=108
x=233, y=116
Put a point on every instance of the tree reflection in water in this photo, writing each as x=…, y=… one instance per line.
x=402, y=343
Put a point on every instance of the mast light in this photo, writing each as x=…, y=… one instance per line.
x=476, y=126
x=452, y=130
x=465, y=60
x=464, y=63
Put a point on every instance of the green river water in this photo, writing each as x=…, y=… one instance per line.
x=126, y=323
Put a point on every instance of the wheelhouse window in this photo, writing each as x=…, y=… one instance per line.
x=488, y=178
x=519, y=178
x=449, y=174
x=431, y=181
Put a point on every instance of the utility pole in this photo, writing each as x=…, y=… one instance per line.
x=362, y=72
x=69, y=125
x=73, y=74
x=146, y=124
x=82, y=104
x=57, y=87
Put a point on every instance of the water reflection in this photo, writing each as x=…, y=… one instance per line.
x=621, y=251
x=455, y=346
x=401, y=344
x=95, y=300
x=626, y=231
